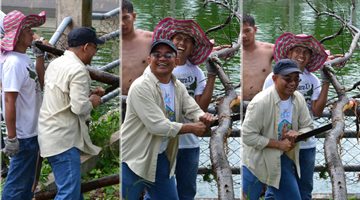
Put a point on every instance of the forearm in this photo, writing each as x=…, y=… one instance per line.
x=186, y=128
x=273, y=144
x=40, y=70
x=204, y=100
x=319, y=105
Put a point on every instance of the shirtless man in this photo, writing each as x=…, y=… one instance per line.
x=135, y=47
x=256, y=59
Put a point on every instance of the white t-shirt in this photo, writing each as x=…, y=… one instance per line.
x=286, y=109
x=168, y=92
x=310, y=88
x=194, y=80
x=18, y=74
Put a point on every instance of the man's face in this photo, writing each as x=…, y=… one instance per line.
x=25, y=37
x=162, y=66
x=91, y=49
x=286, y=85
x=248, y=34
x=127, y=22
x=185, y=45
x=301, y=55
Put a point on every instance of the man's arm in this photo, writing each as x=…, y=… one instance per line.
x=10, y=113
x=284, y=145
x=204, y=99
x=79, y=93
x=317, y=106
x=40, y=70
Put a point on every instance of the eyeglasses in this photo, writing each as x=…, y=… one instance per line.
x=97, y=49
x=289, y=80
x=159, y=55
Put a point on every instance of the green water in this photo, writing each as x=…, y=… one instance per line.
x=150, y=12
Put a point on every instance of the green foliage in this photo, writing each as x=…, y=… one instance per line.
x=209, y=177
x=323, y=174
x=100, y=132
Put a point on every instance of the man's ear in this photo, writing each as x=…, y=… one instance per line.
x=134, y=16
x=255, y=29
x=274, y=77
x=149, y=60
x=177, y=61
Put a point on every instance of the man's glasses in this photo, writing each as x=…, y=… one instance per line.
x=159, y=55
x=97, y=49
x=289, y=80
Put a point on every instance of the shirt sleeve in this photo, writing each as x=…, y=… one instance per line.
x=268, y=81
x=252, y=127
x=79, y=93
x=13, y=76
x=201, y=81
x=317, y=87
x=142, y=102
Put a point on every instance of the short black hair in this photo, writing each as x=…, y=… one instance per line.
x=127, y=5
x=248, y=19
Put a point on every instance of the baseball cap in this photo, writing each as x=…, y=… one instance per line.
x=82, y=35
x=285, y=67
x=162, y=41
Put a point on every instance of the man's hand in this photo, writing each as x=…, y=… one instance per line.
x=286, y=145
x=98, y=91
x=37, y=52
x=291, y=135
x=208, y=119
x=11, y=147
x=324, y=76
x=331, y=57
x=199, y=128
x=95, y=100
x=218, y=48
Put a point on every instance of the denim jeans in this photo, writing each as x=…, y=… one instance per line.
x=22, y=171
x=187, y=165
x=287, y=188
x=67, y=171
x=305, y=183
x=163, y=188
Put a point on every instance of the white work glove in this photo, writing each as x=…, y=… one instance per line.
x=11, y=147
x=37, y=52
x=324, y=76
x=210, y=69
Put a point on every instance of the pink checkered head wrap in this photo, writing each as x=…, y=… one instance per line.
x=14, y=22
x=168, y=27
x=288, y=41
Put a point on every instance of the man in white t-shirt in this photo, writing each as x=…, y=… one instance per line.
x=193, y=47
x=22, y=83
x=149, y=135
x=310, y=56
x=274, y=118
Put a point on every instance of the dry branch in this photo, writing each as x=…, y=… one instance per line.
x=219, y=136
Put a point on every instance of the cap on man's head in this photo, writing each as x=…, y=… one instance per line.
x=162, y=41
x=82, y=35
x=285, y=67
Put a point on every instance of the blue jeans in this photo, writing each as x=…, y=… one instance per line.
x=187, y=165
x=22, y=171
x=163, y=188
x=67, y=171
x=288, y=187
x=305, y=183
